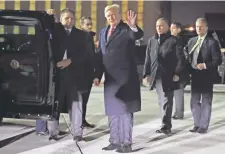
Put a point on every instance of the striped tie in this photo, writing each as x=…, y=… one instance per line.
x=111, y=30
x=195, y=51
x=196, y=45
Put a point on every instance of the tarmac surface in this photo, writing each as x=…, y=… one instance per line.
x=18, y=136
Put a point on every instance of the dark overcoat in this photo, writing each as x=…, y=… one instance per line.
x=210, y=54
x=72, y=79
x=90, y=58
x=166, y=56
x=116, y=58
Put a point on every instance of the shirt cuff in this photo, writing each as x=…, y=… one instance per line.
x=134, y=29
x=204, y=66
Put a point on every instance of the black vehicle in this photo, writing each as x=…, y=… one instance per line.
x=26, y=65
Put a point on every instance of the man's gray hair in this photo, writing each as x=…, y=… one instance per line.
x=67, y=10
x=113, y=6
x=202, y=20
x=163, y=19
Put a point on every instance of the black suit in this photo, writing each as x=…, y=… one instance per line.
x=89, y=71
x=202, y=80
x=70, y=81
x=76, y=46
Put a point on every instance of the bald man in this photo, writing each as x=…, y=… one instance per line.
x=163, y=65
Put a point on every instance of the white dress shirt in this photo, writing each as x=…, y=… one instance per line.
x=65, y=54
x=196, y=52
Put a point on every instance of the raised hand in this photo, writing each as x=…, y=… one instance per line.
x=51, y=11
x=131, y=18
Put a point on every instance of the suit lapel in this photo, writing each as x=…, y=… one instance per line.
x=192, y=45
x=105, y=34
x=115, y=33
x=203, y=44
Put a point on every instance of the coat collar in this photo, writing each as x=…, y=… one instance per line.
x=89, y=32
x=202, y=45
x=162, y=37
x=115, y=33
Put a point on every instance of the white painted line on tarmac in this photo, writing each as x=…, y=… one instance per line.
x=96, y=145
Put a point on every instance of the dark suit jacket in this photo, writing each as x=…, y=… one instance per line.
x=166, y=56
x=184, y=75
x=210, y=54
x=90, y=57
x=76, y=45
x=116, y=57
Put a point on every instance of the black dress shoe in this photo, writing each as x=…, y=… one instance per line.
x=125, y=149
x=177, y=118
x=42, y=133
x=55, y=137
x=195, y=129
x=87, y=125
x=78, y=138
x=164, y=130
x=202, y=131
x=111, y=146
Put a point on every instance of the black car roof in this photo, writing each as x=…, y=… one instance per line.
x=46, y=19
x=23, y=13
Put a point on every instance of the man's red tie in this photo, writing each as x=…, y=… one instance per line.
x=111, y=30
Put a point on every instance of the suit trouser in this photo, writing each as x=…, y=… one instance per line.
x=179, y=102
x=75, y=114
x=121, y=127
x=166, y=104
x=85, y=97
x=201, y=106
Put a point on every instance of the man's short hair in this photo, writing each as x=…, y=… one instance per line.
x=67, y=10
x=178, y=25
x=84, y=18
x=113, y=6
x=163, y=19
x=202, y=20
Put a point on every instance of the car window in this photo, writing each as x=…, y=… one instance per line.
x=11, y=29
x=17, y=33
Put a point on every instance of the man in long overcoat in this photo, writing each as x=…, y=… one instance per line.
x=116, y=58
x=69, y=52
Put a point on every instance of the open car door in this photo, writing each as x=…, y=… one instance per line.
x=26, y=66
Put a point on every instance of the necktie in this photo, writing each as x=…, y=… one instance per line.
x=196, y=45
x=195, y=49
x=111, y=30
x=68, y=31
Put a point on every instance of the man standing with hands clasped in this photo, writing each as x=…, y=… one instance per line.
x=205, y=57
x=69, y=52
x=116, y=59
